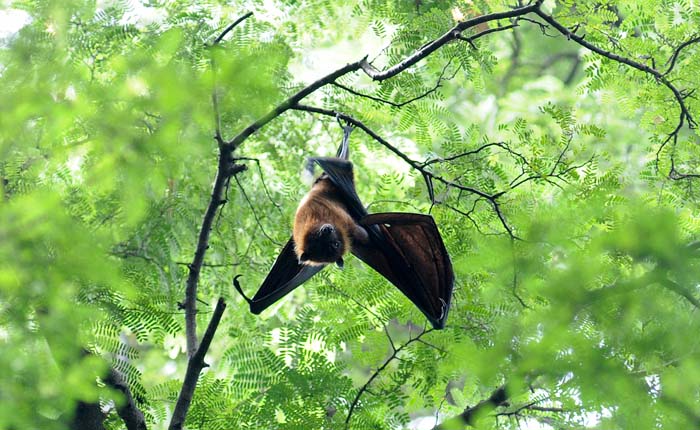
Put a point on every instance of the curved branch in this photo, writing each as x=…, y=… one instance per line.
x=255, y=213
x=677, y=52
x=660, y=77
x=501, y=145
x=379, y=370
x=452, y=34
x=470, y=40
x=214, y=95
x=416, y=165
x=375, y=74
x=231, y=27
x=437, y=85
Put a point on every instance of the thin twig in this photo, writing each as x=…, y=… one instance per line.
x=502, y=145
x=471, y=39
x=231, y=27
x=377, y=372
x=499, y=397
x=677, y=52
x=214, y=95
x=437, y=85
x=262, y=180
x=255, y=213
x=492, y=198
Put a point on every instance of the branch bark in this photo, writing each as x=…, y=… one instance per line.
x=194, y=367
x=216, y=200
x=130, y=413
x=88, y=416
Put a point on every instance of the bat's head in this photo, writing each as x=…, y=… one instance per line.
x=324, y=245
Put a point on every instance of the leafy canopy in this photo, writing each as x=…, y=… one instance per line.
x=563, y=179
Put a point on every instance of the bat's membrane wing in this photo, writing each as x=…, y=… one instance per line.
x=341, y=174
x=286, y=274
x=407, y=249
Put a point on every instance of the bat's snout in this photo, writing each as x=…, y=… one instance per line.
x=326, y=230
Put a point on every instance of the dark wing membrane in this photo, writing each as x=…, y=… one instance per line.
x=407, y=249
x=341, y=174
x=286, y=274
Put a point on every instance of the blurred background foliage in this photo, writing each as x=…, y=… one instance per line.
x=582, y=300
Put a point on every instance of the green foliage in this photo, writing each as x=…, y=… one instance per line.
x=573, y=235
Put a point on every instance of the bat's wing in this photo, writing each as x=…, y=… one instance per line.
x=341, y=174
x=286, y=274
x=407, y=249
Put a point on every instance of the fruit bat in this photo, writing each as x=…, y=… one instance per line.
x=331, y=221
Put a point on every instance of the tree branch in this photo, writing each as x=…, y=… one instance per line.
x=216, y=200
x=677, y=52
x=129, y=412
x=470, y=39
x=377, y=372
x=214, y=96
x=454, y=33
x=291, y=101
x=375, y=74
x=620, y=59
x=231, y=27
x=660, y=77
x=255, y=213
x=437, y=85
x=498, y=398
x=427, y=175
x=195, y=364
x=681, y=291
x=225, y=169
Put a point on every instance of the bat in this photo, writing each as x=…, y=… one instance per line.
x=331, y=221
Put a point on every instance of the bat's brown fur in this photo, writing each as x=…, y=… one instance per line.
x=323, y=206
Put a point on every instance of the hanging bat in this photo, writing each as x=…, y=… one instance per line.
x=331, y=221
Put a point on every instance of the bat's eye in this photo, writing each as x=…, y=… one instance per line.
x=336, y=244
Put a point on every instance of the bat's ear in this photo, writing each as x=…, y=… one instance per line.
x=304, y=257
x=339, y=262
